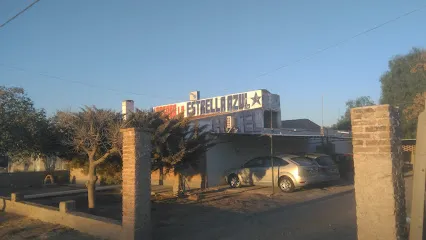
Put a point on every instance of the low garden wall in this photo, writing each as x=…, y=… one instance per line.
x=33, y=179
x=193, y=181
x=104, y=228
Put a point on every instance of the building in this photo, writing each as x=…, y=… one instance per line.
x=37, y=164
x=247, y=112
x=244, y=124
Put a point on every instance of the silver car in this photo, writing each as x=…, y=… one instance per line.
x=290, y=172
x=328, y=169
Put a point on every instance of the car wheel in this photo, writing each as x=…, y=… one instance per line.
x=286, y=184
x=234, y=181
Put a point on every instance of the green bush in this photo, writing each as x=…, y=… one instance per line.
x=110, y=171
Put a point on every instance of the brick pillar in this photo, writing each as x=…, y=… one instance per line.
x=136, y=184
x=379, y=180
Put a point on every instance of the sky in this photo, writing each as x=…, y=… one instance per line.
x=68, y=54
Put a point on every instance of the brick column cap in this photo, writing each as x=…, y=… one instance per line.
x=376, y=107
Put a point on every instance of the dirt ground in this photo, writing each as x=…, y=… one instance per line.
x=240, y=200
x=221, y=213
x=181, y=218
x=14, y=227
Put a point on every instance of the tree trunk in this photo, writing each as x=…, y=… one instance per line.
x=178, y=185
x=161, y=176
x=91, y=185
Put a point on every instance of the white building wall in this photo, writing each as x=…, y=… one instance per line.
x=343, y=146
x=36, y=165
x=250, y=121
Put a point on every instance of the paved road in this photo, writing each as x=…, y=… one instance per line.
x=331, y=217
x=328, y=217
x=306, y=215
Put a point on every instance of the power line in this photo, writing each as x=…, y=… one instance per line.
x=86, y=84
x=343, y=41
x=264, y=74
x=19, y=13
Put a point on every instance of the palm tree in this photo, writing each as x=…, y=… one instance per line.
x=177, y=143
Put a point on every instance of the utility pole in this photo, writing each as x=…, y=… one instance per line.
x=272, y=147
x=322, y=111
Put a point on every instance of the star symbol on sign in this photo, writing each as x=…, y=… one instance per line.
x=255, y=99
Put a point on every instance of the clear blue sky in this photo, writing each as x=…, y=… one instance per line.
x=165, y=49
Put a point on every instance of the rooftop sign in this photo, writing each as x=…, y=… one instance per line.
x=221, y=104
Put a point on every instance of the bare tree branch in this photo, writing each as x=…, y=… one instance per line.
x=106, y=155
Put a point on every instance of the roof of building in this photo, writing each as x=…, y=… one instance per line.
x=300, y=124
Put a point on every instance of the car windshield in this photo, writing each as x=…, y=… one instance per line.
x=325, y=161
x=302, y=161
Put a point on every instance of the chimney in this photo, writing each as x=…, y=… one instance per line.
x=194, y=96
x=127, y=106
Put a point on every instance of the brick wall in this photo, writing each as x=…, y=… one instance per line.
x=136, y=219
x=379, y=182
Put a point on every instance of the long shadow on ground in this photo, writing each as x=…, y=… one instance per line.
x=330, y=217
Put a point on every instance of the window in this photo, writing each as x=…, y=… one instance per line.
x=280, y=162
x=277, y=162
x=267, y=119
x=325, y=161
x=257, y=162
x=303, y=161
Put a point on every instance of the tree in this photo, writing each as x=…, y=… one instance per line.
x=95, y=136
x=19, y=121
x=344, y=122
x=95, y=133
x=412, y=111
x=177, y=144
x=27, y=134
x=400, y=85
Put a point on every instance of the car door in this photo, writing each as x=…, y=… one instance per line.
x=322, y=170
x=279, y=165
x=253, y=171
